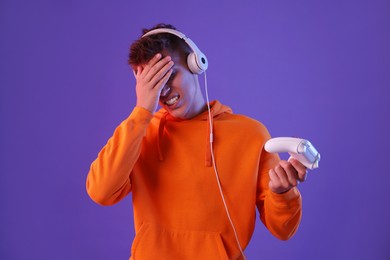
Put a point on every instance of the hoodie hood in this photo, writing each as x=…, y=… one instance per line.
x=216, y=110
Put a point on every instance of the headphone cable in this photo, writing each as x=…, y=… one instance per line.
x=215, y=168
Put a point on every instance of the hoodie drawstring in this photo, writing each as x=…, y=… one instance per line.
x=160, y=135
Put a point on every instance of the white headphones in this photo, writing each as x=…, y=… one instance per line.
x=196, y=60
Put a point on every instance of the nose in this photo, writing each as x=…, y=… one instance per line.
x=165, y=91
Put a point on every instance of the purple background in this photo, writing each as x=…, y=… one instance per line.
x=314, y=69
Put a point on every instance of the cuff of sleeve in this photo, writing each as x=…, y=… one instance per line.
x=288, y=197
x=141, y=115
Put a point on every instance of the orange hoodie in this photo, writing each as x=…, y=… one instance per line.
x=178, y=211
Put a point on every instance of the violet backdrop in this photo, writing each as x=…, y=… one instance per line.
x=313, y=69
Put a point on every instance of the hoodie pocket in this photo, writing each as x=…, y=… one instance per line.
x=153, y=242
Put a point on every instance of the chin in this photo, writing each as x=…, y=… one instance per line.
x=177, y=113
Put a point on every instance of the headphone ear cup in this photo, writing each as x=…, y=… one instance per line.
x=192, y=65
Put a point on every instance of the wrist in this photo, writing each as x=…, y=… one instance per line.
x=146, y=107
x=290, y=195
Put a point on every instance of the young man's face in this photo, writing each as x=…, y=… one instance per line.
x=181, y=96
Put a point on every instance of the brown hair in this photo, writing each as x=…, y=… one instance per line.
x=143, y=49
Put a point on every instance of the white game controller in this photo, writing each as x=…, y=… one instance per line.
x=298, y=148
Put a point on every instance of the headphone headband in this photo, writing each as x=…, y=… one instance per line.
x=197, y=61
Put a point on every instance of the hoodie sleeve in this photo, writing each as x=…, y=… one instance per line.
x=108, y=180
x=280, y=213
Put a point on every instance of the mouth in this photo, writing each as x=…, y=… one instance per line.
x=172, y=101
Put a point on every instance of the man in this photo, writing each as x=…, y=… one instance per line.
x=196, y=180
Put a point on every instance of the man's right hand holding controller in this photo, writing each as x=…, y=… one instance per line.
x=151, y=79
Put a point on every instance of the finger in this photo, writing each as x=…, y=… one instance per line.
x=151, y=63
x=273, y=176
x=160, y=68
x=155, y=70
x=283, y=178
x=274, y=181
x=300, y=168
x=297, y=165
x=162, y=73
x=160, y=85
x=291, y=173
